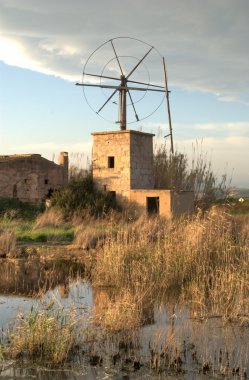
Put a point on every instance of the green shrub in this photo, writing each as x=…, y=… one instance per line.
x=80, y=195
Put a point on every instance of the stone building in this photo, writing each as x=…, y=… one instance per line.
x=30, y=177
x=123, y=165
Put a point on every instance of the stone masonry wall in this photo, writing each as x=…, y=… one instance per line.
x=30, y=177
x=117, y=145
x=133, y=161
x=142, y=173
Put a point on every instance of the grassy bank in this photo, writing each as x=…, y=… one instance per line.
x=47, y=227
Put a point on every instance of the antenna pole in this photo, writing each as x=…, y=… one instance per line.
x=168, y=107
x=122, y=104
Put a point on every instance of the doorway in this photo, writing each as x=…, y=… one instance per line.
x=152, y=205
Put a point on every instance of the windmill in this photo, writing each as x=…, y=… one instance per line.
x=125, y=66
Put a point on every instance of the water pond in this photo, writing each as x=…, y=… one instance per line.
x=165, y=341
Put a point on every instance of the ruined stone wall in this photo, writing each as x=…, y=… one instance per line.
x=31, y=177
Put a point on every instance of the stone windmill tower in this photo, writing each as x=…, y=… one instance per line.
x=123, y=159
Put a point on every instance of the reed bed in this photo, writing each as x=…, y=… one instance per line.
x=204, y=258
x=122, y=312
x=44, y=335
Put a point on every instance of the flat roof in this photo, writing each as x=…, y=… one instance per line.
x=17, y=156
x=125, y=131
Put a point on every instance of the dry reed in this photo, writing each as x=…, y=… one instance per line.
x=52, y=217
x=7, y=243
x=43, y=335
x=203, y=257
x=120, y=313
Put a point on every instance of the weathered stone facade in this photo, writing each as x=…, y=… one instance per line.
x=30, y=177
x=123, y=160
x=123, y=164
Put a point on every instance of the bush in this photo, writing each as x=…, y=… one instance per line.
x=82, y=196
x=12, y=208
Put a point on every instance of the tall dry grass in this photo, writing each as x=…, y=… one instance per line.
x=52, y=217
x=7, y=243
x=122, y=312
x=204, y=258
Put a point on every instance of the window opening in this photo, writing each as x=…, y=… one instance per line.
x=111, y=162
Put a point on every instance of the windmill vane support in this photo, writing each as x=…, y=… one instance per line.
x=126, y=86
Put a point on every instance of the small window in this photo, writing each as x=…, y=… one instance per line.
x=111, y=162
x=105, y=187
x=46, y=181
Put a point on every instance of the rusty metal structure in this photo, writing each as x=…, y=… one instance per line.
x=123, y=84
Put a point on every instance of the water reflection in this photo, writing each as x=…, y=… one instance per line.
x=28, y=277
x=161, y=336
x=27, y=282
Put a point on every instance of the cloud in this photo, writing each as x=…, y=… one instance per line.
x=204, y=42
x=238, y=129
x=227, y=129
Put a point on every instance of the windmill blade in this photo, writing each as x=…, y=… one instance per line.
x=117, y=58
x=130, y=81
x=141, y=60
x=133, y=106
x=114, y=92
x=145, y=84
x=126, y=88
x=101, y=76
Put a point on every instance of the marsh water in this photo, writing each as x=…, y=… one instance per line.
x=197, y=348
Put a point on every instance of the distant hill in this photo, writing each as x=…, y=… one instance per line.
x=242, y=193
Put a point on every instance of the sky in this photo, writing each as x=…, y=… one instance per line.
x=44, y=46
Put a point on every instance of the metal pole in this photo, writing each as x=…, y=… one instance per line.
x=168, y=107
x=122, y=98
